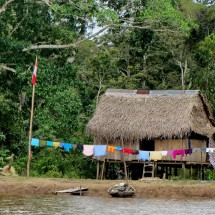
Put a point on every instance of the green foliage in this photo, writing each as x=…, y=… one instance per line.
x=206, y=51
x=51, y=162
x=4, y=153
x=168, y=17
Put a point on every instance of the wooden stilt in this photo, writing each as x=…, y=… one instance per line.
x=155, y=169
x=198, y=173
x=183, y=171
x=191, y=172
x=125, y=169
x=143, y=170
x=201, y=166
x=112, y=177
x=97, y=171
x=175, y=171
x=103, y=167
x=204, y=171
x=166, y=172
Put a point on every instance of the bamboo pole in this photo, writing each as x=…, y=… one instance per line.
x=30, y=132
x=201, y=164
x=125, y=169
x=97, y=171
x=103, y=167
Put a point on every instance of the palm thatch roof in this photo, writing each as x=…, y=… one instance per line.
x=129, y=115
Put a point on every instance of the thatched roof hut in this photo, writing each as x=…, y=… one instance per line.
x=150, y=114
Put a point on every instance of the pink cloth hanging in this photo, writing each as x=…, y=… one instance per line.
x=178, y=152
x=88, y=150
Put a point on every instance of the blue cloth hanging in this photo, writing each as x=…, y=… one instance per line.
x=67, y=146
x=35, y=142
x=143, y=155
x=49, y=143
x=100, y=150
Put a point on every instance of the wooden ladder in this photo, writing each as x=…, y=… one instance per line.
x=148, y=168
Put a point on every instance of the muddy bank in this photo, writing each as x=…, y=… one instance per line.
x=144, y=188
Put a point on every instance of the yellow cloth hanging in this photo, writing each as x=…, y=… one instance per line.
x=56, y=144
x=42, y=143
x=155, y=155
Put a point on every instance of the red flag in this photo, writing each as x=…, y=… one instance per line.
x=34, y=75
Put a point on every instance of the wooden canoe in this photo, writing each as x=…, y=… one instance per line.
x=121, y=190
x=73, y=190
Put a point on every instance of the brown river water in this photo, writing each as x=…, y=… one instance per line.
x=86, y=205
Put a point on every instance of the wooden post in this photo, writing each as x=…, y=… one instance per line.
x=30, y=132
x=170, y=171
x=97, y=171
x=112, y=171
x=201, y=166
x=183, y=171
x=166, y=167
x=125, y=169
x=156, y=169
x=80, y=191
x=175, y=171
x=103, y=167
x=191, y=171
x=204, y=171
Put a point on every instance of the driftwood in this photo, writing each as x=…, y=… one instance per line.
x=8, y=170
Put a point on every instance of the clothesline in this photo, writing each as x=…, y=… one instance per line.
x=101, y=150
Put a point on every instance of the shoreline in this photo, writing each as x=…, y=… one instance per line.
x=145, y=188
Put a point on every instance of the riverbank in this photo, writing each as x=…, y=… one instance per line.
x=144, y=188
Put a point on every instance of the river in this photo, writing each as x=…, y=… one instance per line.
x=86, y=205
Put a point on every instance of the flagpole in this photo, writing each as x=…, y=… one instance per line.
x=32, y=114
x=30, y=132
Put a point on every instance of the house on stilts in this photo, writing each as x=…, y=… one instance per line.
x=173, y=126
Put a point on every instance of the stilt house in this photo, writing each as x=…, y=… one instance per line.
x=152, y=121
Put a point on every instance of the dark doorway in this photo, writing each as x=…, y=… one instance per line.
x=147, y=145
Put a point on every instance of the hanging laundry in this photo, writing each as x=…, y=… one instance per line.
x=88, y=150
x=127, y=150
x=67, y=146
x=79, y=147
x=49, y=143
x=178, y=152
x=118, y=148
x=143, y=155
x=164, y=153
x=155, y=155
x=212, y=154
x=56, y=144
x=61, y=145
x=111, y=149
x=135, y=152
x=74, y=146
x=100, y=150
x=203, y=150
x=35, y=142
x=169, y=152
x=188, y=151
x=196, y=150
x=189, y=143
x=210, y=149
x=42, y=143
